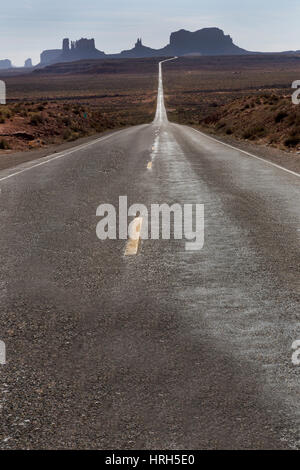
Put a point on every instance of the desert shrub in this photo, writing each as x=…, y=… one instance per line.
x=67, y=134
x=220, y=125
x=77, y=111
x=265, y=97
x=212, y=119
x=66, y=121
x=297, y=120
x=259, y=130
x=4, y=144
x=294, y=132
x=292, y=119
x=73, y=136
x=292, y=141
x=98, y=127
x=76, y=128
x=36, y=119
x=247, y=134
x=280, y=116
x=253, y=132
x=17, y=107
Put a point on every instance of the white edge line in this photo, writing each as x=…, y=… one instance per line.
x=247, y=153
x=53, y=157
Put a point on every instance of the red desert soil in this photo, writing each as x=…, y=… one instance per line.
x=62, y=104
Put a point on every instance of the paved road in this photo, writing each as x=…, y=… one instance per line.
x=166, y=349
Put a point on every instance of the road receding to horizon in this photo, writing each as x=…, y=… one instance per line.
x=165, y=348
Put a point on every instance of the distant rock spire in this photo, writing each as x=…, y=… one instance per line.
x=66, y=45
x=28, y=63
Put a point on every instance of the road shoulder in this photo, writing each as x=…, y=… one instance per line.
x=11, y=160
x=288, y=160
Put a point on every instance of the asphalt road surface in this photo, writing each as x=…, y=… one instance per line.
x=165, y=349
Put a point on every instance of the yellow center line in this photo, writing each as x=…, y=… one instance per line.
x=132, y=245
x=149, y=166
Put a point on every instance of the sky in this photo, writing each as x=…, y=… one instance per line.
x=29, y=26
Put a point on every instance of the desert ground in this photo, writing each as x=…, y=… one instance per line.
x=244, y=99
x=248, y=98
x=65, y=102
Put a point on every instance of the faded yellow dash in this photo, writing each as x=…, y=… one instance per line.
x=149, y=166
x=132, y=245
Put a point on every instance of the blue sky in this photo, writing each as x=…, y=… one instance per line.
x=29, y=26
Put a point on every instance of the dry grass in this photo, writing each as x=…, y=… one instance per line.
x=46, y=108
x=246, y=97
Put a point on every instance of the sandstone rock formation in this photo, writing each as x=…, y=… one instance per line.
x=207, y=41
x=28, y=63
x=5, y=64
x=50, y=56
x=139, y=51
x=76, y=50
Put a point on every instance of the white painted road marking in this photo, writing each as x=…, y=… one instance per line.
x=161, y=114
x=53, y=157
x=247, y=153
